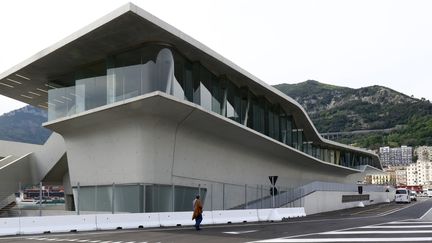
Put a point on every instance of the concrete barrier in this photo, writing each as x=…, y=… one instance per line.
x=291, y=212
x=263, y=214
x=235, y=216
x=9, y=226
x=57, y=224
x=168, y=219
x=207, y=218
x=277, y=214
x=127, y=221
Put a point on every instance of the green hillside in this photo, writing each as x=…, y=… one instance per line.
x=24, y=125
x=340, y=109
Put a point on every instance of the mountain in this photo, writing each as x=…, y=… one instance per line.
x=24, y=125
x=332, y=109
x=341, y=109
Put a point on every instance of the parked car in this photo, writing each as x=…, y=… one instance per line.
x=413, y=196
x=402, y=195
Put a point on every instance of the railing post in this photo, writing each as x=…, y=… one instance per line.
x=78, y=198
x=113, y=198
x=96, y=198
x=40, y=198
x=21, y=196
x=262, y=196
x=211, y=198
x=199, y=190
x=245, y=196
x=223, y=196
x=257, y=195
x=173, y=197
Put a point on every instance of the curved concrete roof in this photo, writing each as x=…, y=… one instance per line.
x=130, y=26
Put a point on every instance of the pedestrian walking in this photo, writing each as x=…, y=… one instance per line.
x=197, y=213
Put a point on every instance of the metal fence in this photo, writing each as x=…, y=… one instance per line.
x=49, y=198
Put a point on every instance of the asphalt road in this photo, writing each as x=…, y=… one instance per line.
x=378, y=223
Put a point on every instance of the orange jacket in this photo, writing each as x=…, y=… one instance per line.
x=198, y=209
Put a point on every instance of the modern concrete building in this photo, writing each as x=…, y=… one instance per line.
x=141, y=104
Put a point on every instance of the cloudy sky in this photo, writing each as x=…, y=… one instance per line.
x=340, y=42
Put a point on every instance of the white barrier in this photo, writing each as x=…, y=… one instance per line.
x=127, y=221
x=176, y=219
x=277, y=214
x=9, y=226
x=291, y=212
x=263, y=214
x=235, y=216
x=207, y=218
x=57, y=224
x=67, y=223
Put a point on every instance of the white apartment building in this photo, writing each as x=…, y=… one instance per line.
x=401, y=176
x=396, y=156
x=411, y=174
x=420, y=173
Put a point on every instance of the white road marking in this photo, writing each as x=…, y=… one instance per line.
x=348, y=231
x=239, y=232
x=409, y=222
x=376, y=232
x=399, y=239
x=395, y=226
x=396, y=210
x=425, y=213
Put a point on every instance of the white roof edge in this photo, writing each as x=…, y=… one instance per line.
x=169, y=28
x=210, y=52
x=72, y=37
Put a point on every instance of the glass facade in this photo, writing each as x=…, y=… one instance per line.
x=160, y=68
x=137, y=198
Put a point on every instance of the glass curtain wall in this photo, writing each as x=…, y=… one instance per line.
x=160, y=68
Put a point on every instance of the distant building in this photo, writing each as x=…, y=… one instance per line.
x=387, y=178
x=424, y=153
x=401, y=176
x=396, y=156
x=411, y=171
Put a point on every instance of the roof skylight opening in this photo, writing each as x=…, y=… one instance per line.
x=26, y=96
x=14, y=81
x=52, y=87
x=33, y=93
x=42, y=90
x=59, y=101
x=66, y=98
x=7, y=85
x=16, y=74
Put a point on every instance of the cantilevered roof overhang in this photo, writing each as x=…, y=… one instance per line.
x=127, y=27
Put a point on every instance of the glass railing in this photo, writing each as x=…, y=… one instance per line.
x=156, y=68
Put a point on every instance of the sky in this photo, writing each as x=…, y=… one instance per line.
x=340, y=42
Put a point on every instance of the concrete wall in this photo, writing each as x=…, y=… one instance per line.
x=45, y=158
x=159, y=140
x=17, y=149
x=11, y=176
x=324, y=201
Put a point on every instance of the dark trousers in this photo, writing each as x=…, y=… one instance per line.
x=198, y=220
